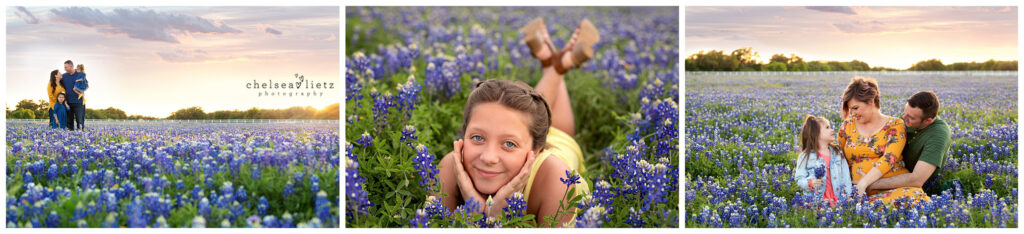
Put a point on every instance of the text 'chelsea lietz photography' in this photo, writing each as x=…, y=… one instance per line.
x=302, y=87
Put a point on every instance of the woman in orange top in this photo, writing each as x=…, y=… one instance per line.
x=52, y=89
x=873, y=142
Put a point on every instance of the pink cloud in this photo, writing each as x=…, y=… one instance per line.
x=146, y=25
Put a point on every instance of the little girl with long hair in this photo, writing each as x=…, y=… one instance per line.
x=820, y=167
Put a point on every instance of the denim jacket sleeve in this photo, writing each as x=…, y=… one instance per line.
x=843, y=180
x=802, y=172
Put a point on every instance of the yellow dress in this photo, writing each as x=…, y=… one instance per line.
x=882, y=150
x=564, y=147
x=52, y=92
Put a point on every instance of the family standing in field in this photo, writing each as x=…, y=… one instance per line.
x=883, y=157
x=67, y=109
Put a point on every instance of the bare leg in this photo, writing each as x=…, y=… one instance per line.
x=552, y=86
x=561, y=113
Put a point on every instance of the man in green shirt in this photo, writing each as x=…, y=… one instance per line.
x=928, y=141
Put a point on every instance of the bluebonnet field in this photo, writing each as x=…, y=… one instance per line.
x=410, y=70
x=165, y=174
x=742, y=139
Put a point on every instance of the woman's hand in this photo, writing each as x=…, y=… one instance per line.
x=861, y=188
x=517, y=184
x=867, y=179
x=465, y=183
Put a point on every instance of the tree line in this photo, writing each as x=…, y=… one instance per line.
x=296, y=112
x=29, y=109
x=745, y=59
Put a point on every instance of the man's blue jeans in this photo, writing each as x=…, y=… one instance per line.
x=76, y=117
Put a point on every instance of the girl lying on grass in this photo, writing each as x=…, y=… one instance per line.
x=517, y=140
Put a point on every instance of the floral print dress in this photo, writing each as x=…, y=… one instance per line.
x=882, y=150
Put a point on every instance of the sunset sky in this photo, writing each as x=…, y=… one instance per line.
x=155, y=60
x=895, y=37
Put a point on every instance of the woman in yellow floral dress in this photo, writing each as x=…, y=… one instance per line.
x=873, y=142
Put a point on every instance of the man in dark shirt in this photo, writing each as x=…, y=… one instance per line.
x=928, y=142
x=76, y=114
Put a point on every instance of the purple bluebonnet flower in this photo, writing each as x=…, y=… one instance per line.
x=27, y=178
x=443, y=77
x=471, y=206
x=263, y=205
x=348, y=153
x=570, y=178
x=356, y=197
x=654, y=90
x=819, y=172
x=635, y=219
x=227, y=188
x=323, y=207
x=516, y=206
x=406, y=55
x=109, y=222
x=408, y=135
x=359, y=62
x=253, y=221
x=79, y=211
x=270, y=221
x=287, y=220
x=435, y=207
x=421, y=220
x=593, y=217
x=365, y=140
x=256, y=173
x=136, y=217
x=424, y=163
x=314, y=184
x=408, y=96
x=603, y=194
x=381, y=107
x=353, y=88
x=51, y=174
x=204, y=207
x=241, y=195
x=289, y=189
x=237, y=210
x=53, y=219
x=161, y=222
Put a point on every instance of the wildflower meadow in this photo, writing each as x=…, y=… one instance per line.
x=173, y=174
x=411, y=69
x=742, y=132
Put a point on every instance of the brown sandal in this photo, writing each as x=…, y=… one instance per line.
x=534, y=38
x=582, y=50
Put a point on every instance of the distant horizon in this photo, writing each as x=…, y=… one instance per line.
x=882, y=36
x=765, y=59
x=12, y=108
x=152, y=61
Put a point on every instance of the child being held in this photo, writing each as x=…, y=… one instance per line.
x=81, y=84
x=820, y=166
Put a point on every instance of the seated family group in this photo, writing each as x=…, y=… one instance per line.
x=883, y=157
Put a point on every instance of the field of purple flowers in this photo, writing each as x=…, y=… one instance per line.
x=410, y=70
x=742, y=132
x=163, y=174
